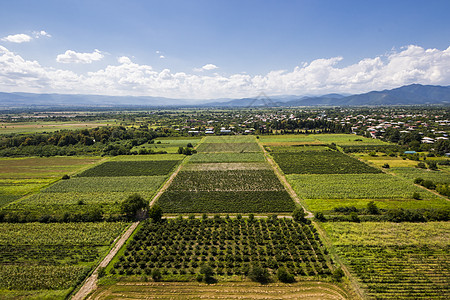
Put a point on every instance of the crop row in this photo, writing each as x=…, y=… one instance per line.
x=230, y=139
x=229, y=147
x=394, y=261
x=226, y=202
x=321, y=162
x=437, y=176
x=36, y=256
x=182, y=245
x=232, y=180
x=131, y=168
x=227, y=157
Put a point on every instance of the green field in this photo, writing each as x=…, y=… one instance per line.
x=229, y=180
x=438, y=176
x=320, y=162
x=38, y=257
x=230, y=139
x=226, y=202
x=226, y=157
x=396, y=261
x=37, y=127
x=339, y=139
x=131, y=168
x=170, y=145
x=229, y=147
x=229, y=246
x=325, y=192
x=149, y=157
x=227, y=166
x=22, y=176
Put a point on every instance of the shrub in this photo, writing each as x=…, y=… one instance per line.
x=65, y=177
x=208, y=274
x=259, y=274
x=385, y=166
x=320, y=216
x=421, y=165
x=372, y=208
x=299, y=215
x=418, y=180
x=156, y=275
x=155, y=213
x=429, y=184
x=416, y=196
x=132, y=205
x=337, y=275
x=285, y=276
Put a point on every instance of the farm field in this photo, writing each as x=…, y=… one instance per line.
x=170, y=145
x=131, y=168
x=36, y=263
x=228, y=147
x=325, y=192
x=396, y=261
x=178, y=247
x=227, y=166
x=296, y=148
x=393, y=162
x=230, y=139
x=338, y=139
x=224, y=290
x=438, y=176
x=21, y=176
x=150, y=157
x=320, y=162
x=35, y=127
x=226, y=157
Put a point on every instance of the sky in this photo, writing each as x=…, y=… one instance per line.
x=207, y=49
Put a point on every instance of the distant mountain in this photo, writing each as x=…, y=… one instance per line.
x=55, y=100
x=414, y=94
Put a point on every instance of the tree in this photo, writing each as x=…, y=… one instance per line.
x=156, y=275
x=133, y=205
x=372, y=208
x=259, y=274
x=320, y=217
x=155, y=213
x=208, y=274
x=299, y=215
x=285, y=276
x=337, y=275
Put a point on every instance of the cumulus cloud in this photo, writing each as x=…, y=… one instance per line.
x=17, y=38
x=72, y=57
x=42, y=33
x=162, y=56
x=411, y=64
x=207, y=67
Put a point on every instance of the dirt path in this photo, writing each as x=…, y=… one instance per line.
x=286, y=184
x=91, y=283
x=166, y=185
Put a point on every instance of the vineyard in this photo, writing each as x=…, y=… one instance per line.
x=437, y=176
x=131, y=168
x=40, y=257
x=321, y=162
x=396, y=261
x=230, y=246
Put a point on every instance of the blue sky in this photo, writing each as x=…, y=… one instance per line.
x=212, y=49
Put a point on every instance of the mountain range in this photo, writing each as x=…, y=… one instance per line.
x=414, y=94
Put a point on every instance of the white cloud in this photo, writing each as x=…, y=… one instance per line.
x=42, y=33
x=17, y=38
x=72, y=57
x=207, y=67
x=162, y=56
x=412, y=64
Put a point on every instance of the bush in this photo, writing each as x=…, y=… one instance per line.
x=299, y=215
x=386, y=166
x=285, y=276
x=155, y=213
x=320, y=217
x=65, y=177
x=354, y=217
x=429, y=184
x=156, y=275
x=432, y=165
x=416, y=196
x=337, y=275
x=372, y=208
x=208, y=274
x=418, y=180
x=132, y=205
x=421, y=165
x=259, y=274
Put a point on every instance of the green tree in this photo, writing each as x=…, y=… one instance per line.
x=156, y=275
x=208, y=273
x=259, y=274
x=337, y=275
x=133, y=205
x=155, y=213
x=299, y=215
x=285, y=276
x=372, y=208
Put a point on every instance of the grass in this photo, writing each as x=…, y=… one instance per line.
x=226, y=157
x=320, y=162
x=227, y=166
x=393, y=162
x=40, y=127
x=229, y=147
x=396, y=261
x=170, y=145
x=131, y=168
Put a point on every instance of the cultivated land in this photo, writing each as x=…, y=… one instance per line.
x=396, y=261
x=34, y=263
x=228, y=175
